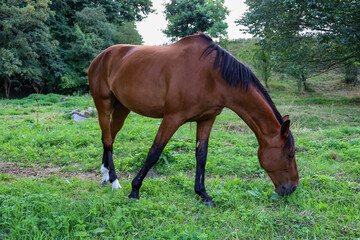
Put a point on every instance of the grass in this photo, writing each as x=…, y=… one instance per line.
x=326, y=127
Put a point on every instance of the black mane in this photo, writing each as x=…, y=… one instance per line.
x=236, y=73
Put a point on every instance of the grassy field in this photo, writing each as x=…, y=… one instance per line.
x=51, y=186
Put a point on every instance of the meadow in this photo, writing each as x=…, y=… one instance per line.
x=51, y=184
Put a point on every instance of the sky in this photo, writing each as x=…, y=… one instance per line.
x=151, y=27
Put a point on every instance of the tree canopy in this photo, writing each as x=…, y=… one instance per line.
x=27, y=50
x=306, y=36
x=191, y=16
x=331, y=21
x=49, y=44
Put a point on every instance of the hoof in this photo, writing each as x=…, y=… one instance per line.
x=209, y=203
x=134, y=195
x=115, y=184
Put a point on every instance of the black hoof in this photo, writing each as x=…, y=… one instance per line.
x=134, y=195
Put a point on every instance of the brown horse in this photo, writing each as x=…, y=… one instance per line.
x=190, y=80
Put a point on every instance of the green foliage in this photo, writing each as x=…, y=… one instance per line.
x=305, y=37
x=93, y=26
x=70, y=81
x=127, y=34
x=350, y=70
x=91, y=35
x=50, y=44
x=189, y=17
x=263, y=63
x=331, y=21
x=26, y=46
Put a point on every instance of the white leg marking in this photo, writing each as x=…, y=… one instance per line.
x=115, y=184
x=105, y=173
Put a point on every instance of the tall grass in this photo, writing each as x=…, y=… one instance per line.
x=326, y=204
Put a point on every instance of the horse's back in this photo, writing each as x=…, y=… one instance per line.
x=153, y=81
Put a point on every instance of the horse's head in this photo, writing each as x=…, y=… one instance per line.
x=278, y=160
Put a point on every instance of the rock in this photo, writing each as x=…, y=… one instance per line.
x=75, y=111
x=64, y=99
x=78, y=118
x=82, y=113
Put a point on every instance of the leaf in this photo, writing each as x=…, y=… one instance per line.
x=274, y=196
x=254, y=193
x=98, y=230
x=81, y=234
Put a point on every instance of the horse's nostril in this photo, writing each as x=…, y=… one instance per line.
x=286, y=189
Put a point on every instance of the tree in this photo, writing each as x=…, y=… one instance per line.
x=26, y=47
x=92, y=33
x=10, y=65
x=263, y=63
x=117, y=12
x=301, y=58
x=330, y=27
x=84, y=28
x=127, y=34
x=49, y=44
x=187, y=17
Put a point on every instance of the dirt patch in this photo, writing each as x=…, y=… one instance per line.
x=24, y=170
x=36, y=170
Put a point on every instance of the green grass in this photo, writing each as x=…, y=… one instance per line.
x=326, y=127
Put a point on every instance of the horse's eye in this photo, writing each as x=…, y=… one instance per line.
x=291, y=156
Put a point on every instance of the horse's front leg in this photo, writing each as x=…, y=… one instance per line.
x=202, y=139
x=168, y=127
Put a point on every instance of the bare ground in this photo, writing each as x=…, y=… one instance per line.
x=33, y=170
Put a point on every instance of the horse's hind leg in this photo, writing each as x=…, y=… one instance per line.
x=117, y=121
x=112, y=115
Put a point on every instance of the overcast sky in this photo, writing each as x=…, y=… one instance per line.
x=150, y=28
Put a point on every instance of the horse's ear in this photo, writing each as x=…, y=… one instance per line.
x=285, y=128
x=286, y=117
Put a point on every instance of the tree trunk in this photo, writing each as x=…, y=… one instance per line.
x=266, y=83
x=299, y=86
x=7, y=85
x=303, y=80
x=302, y=83
x=350, y=71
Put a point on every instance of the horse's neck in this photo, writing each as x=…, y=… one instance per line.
x=253, y=108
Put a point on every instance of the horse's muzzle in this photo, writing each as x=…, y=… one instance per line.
x=286, y=189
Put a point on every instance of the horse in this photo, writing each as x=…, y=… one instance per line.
x=191, y=80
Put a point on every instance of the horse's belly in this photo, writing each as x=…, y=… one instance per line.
x=146, y=109
x=142, y=101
